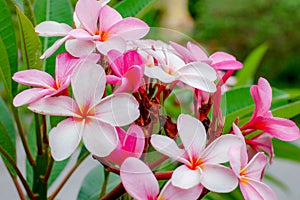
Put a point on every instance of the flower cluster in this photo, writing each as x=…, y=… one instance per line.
x=111, y=86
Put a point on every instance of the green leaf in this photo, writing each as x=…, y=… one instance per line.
x=287, y=111
x=7, y=120
x=234, y=195
x=52, y=10
x=8, y=35
x=7, y=145
x=30, y=43
x=29, y=11
x=58, y=167
x=246, y=75
x=92, y=184
x=286, y=150
x=5, y=72
x=132, y=8
x=239, y=103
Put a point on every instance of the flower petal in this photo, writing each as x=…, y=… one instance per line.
x=99, y=138
x=217, y=151
x=52, y=28
x=64, y=139
x=56, y=106
x=218, y=178
x=54, y=47
x=168, y=147
x=186, y=178
x=169, y=192
x=159, y=73
x=33, y=77
x=197, y=51
x=220, y=56
x=115, y=60
x=138, y=179
x=79, y=48
x=253, y=189
x=132, y=80
x=30, y=95
x=228, y=65
x=256, y=166
x=118, y=110
x=116, y=43
x=200, y=69
x=87, y=12
x=183, y=52
x=235, y=157
x=88, y=84
x=108, y=17
x=129, y=28
x=192, y=134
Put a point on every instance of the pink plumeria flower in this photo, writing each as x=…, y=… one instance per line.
x=97, y=26
x=44, y=84
x=168, y=67
x=218, y=60
x=131, y=144
x=128, y=69
x=141, y=184
x=89, y=116
x=249, y=173
x=201, y=165
x=262, y=118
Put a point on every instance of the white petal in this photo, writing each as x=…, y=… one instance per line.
x=201, y=69
x=217, y=151
x=192, y=134
x=79, y=48
x=253, y=189
x=88, y=84
x=138, y=179
x=218, y=178
x=256, y=166
x=99, y=138
x=54, y=47
x=56, y=106
x=116, y=43
x=186, y=178
x=64, y=139
x=168, y=147
x=52, y=28
x=159, y=73
x=118, y=110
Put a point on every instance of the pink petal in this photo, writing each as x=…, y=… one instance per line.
x=54, y=47
x=228, y=65
x=192, y=134
x=262, y=142
x=235, y=157
x=138, y=179
x=197, y=51
x=132, y=58
x=168, y=147
x=218, y=178
x=87, y=12
x=79, y=48
x=253, y=189
x=118, y=110
x=64, y=66
x=56, y=106
x=183, y=52
x=88, y=84
x=243, y=155
x=186, y=178
x=64, y=139
x=132, y=80
x=115, y=60
x=130, y=144
x=112, y=79
x=30, y=95
x=169, y=192
x=52, y=28
x=116, y=43
x=280, y=128
x=33, y=77
x=108, y=17
x=81, y=34
x=99, y=138
x=218, y=57
x=129, y=29
x=256, y=166
x=217, y=151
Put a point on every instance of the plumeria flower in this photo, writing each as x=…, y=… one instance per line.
x=168, y=67
x=141, y=184
x=201, y=165
x=131, y=144
x=128, y=69
x=89, y=117
x=262, y=118
x=249, y=173
x=97, y=26
x=43, y=83
x=218, y=60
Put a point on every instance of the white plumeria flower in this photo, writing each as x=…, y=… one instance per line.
x=89, y=116
x=201, y=165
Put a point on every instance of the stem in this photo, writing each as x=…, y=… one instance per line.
x=163, y=175
x=19, y=173
x=44, y=130
x=18, y=187
x=23, y=137
x=106, y=178
x=49, y=169
x=61, y=185
x=38, y=134
x=118, y=191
